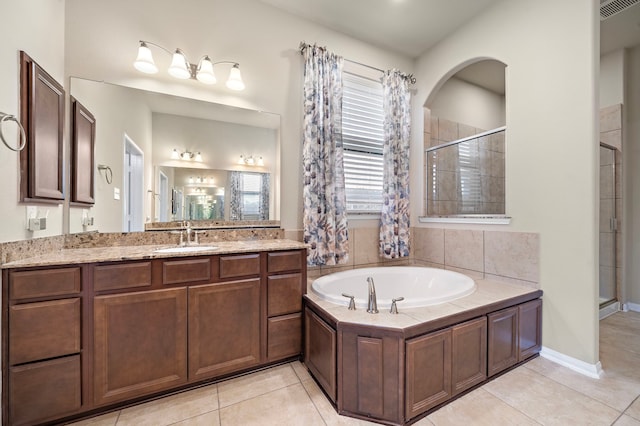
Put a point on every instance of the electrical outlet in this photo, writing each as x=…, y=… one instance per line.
x=32, y=211
x=116, y=193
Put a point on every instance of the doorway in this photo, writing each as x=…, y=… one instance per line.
x=133, y=192
x=163, y=185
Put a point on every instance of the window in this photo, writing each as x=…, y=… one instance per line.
x=251, y=187
x=363, y=139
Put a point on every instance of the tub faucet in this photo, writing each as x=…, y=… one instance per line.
x=372, y=304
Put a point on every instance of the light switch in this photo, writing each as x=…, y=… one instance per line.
x=116, y=193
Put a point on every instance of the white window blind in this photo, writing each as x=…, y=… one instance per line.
x=363, y=139
x=250, y=195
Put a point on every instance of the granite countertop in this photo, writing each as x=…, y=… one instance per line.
x=119, y=253
x=487, y=292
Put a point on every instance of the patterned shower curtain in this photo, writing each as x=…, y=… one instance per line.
x=263, y=203
x=325, y=213
x=394, y=221
x=235, y=195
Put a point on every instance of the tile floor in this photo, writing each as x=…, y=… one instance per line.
x=540, y=392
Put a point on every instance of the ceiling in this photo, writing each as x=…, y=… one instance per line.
x=411, y=27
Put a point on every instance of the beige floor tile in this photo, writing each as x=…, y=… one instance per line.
x=424, y=422
x=547, y=401
x=479, y=408
x=282, y=407
x=621, y=362
x=171, y=409
x=108, y=419
x=207, y=419
x=255, y=384
x=301, y=370
x=634, y=409
x=625, y=420
x=612, y=389
x=326, y=410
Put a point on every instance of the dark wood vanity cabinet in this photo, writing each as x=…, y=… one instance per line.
x=224, y=328
x=320, y=352
x=95, y=336
x=42, y=371
x=140, y=343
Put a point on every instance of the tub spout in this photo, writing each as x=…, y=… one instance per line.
x=372, y=304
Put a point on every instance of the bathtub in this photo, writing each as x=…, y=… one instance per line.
x=420, y=286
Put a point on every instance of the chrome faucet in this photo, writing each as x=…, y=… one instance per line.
x=188, y=230
x=372, y=304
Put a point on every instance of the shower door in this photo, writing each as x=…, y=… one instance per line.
x=608, y=225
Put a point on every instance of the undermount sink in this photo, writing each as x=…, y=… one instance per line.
x=185, y=249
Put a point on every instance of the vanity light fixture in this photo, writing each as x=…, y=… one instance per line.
x=186, y=156
x=181, y=67
x=251, y=161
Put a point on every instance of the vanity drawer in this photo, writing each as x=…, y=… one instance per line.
x=44, y=283
x=239, y=266
x=284, y=261
x=186, y=271
x=121, y=275
x=44, y=330
x=284, y=294
x=44, y=390
x=284, y=336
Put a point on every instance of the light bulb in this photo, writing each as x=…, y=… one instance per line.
x=260, y=161
x=241, y=160
x=198, y=157
x=144, y=62
x=175, y=155
x=179, y=66
x=235, y=79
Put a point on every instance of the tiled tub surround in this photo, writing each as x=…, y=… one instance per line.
x=496, y=255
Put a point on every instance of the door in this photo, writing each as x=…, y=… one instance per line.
x=608, y=226
x=163, y=185
x=133, y=197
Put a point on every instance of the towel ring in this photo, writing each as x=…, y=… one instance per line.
x=23, y=137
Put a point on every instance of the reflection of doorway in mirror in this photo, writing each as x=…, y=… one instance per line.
x=133, y=192
x=163, y=185
x=176, y=204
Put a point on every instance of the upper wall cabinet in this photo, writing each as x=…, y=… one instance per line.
x=83, y=135
x=42, y=116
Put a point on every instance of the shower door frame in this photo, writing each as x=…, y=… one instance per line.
x=616, y=296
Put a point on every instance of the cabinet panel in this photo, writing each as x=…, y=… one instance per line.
x=428, y=372
x=530, y=329
x=140, y=343
x=186, y=271
x=502, y=340
x=284, y=336
x=239, y=265
x=43, y=390
x=44, y=330
x=83, y=136
x=121, y=276
x=284, y=261
x=224, y=328
x=284, y=294
x=320, y=352
x=469, y=354
x=44, y=283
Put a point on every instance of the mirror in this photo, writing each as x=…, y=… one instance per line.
x=187, y=152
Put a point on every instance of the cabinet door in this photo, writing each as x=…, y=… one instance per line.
x=502, y=340
x=529, y=329
x=428, y=372
x=320, y=352
x=284, y=336
x=140, y=343
x=469, y=354
x=224, y=328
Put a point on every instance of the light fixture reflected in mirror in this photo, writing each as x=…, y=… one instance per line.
x=251, y=161
x=181, y=67
x=186, y=155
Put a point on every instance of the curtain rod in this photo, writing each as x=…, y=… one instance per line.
x=303, y=46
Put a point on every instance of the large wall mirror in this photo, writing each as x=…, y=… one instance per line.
x=164, y=158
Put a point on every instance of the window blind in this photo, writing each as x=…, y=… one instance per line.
x=363, y=139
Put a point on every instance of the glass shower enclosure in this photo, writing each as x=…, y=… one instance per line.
x=608, y=226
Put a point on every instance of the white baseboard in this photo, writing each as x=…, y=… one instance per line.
x=635, y=307
x=609, y=310
x=591, y=370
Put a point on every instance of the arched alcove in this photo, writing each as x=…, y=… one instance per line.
x=464, y=140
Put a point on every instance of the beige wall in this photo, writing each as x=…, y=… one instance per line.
x=551, y=111
x=37, y=27
x=631, y=161
x=612, y=78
